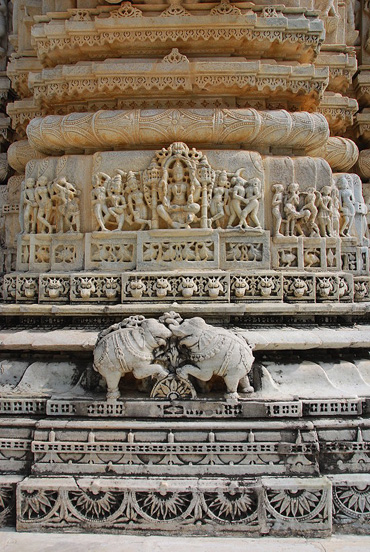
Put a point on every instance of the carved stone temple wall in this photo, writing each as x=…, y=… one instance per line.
x=184, y=266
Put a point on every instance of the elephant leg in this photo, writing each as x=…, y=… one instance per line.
x=245, y=385
x=148, y=370
x=191, y=370
x=112, y=379
x=231, y=382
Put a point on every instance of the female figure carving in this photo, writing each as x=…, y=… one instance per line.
x=136, y=204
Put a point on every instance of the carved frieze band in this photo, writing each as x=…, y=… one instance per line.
x=253, y=506
x=213, y=286
x=179, y=76
x=296, y=506
x=297, y=36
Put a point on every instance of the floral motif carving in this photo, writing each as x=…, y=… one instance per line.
x=234, y=505
x=95, y=504
x=352, y=501
x=298, y=504
x=38, y=504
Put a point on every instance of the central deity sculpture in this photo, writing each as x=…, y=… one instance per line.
x=179, y=198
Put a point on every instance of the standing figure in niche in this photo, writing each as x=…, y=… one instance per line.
x=346, y=206
x=29, y=207
x=99, y=200
x=136, y=203
x=310, y=212
x=116, y=201
x=44, y=206
x=237, y=198
x=335, y=208
x=218, y=201
x=250, y=211
x=293, y=216
x=324, y=217
x=179, y=200
x=277, y=201
x=68, y=206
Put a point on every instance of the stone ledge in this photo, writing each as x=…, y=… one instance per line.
x=271, y=339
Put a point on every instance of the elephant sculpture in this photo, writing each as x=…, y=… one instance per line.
x=129, y=347
x=214, y=351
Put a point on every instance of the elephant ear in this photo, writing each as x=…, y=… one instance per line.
x=206, y=339
x=138, y=337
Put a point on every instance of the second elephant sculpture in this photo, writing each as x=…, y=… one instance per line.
x=214, y=351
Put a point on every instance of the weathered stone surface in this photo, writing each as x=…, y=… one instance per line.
x=183, y=219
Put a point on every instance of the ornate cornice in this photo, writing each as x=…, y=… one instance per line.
x=297, y=37
x=339, y=112
x=177, y=76
x=342, y=66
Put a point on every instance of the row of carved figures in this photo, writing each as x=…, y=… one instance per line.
x=48, y=207
x=328, y=212
x=175, y=197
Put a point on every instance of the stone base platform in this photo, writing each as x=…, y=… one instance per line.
x=288, y=506
x=59, y=542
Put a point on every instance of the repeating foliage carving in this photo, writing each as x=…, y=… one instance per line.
x=234, y=505
x=7, y=503
x=38, y=504
x=301, y=87
x=94, y=504
x=352, y=502
x=298, y=130
x=297, y=504
x=162, y=504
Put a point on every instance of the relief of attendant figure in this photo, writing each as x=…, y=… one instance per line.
x=116, y=202
x=136, y=203
x=29, y=207
x=99, y=200
x=218, y=201
x=346, y=206
x=68, y=206
x=292, y=214
x=44, y=206
x=324, y=216
x=277, y=201
x=250, y=211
